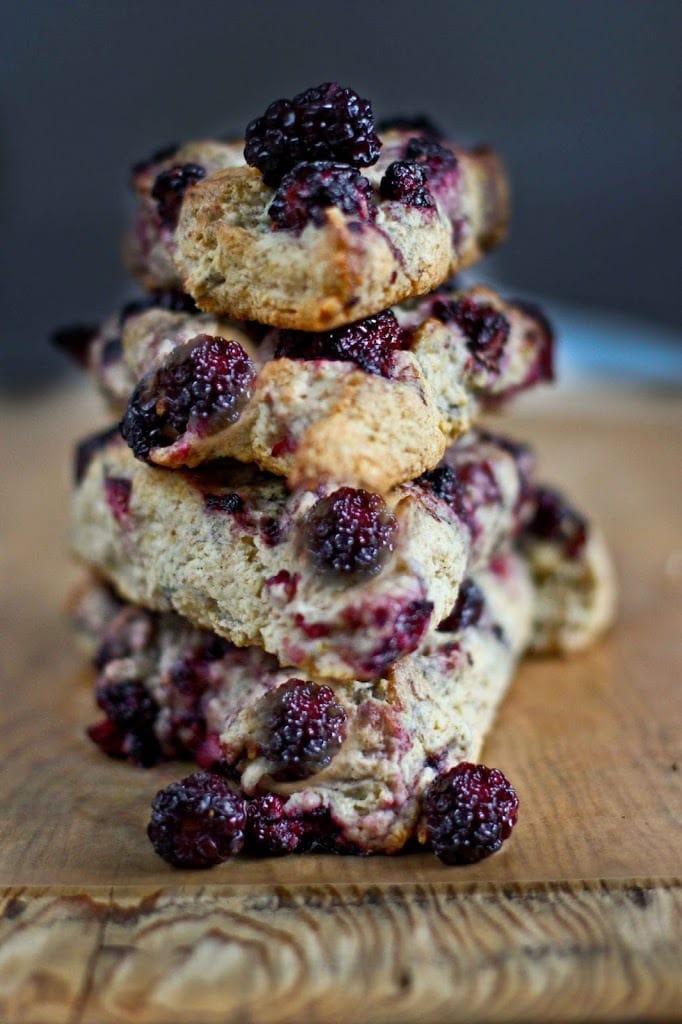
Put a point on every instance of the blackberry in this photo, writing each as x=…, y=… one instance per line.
x=128, y=731
x=309, y=190
x=117, y=494
x=405, y=181
x=554, y=519
x=169, y=189
x=409, y=628
x=467, y=610
x=201, y=386
x=306, y=729
x=370, y=343
x=470, y=810
x=328, y=122
x=197, y=822
x=465, y=488
x=436, y=160
x=350, y=532
x=270, y=833
x=485, y=329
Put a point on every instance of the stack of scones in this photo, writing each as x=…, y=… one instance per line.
x=311, y=570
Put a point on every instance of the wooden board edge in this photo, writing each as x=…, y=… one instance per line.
x=596, y=950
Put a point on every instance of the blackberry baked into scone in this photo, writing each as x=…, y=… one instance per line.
x=372, y=404
x=343, y=764
x=316, y=220
x=339, y=582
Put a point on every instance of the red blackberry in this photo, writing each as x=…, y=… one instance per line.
x=350, y=532
x=328, y=122
x=555, y=520
x=128, y=732
x=470, y=810
x=309, y=190
x=485, y=329
x=405, y=181
x=117, y=494
x=467, y=610
x=202, y=386
x=270, y=833
x=306, y=729
x=436, y=160
x=409, y=629
x=371, y=343
x=169, y=189
x=197, y=822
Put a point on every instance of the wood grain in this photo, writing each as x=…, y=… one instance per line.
x=578, y=918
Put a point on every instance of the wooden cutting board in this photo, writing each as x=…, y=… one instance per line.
x=577, y=918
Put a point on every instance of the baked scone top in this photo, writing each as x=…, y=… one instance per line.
x=324, y=242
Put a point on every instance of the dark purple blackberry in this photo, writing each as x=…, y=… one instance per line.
x=75, y=341
x=485, y=329
x=197, y=822
x=370, y=343
x=465, y=488
x=555, y=520
x=350, y=532
x=269, y=832
x=467, y=610
x=420, y=124
x=306, y=728
x=128, y=733
x=470, y=810
x=86, y=450
x=202, y=386
x=164, y=153
x=328, y=122
x=305, y=194
x=436, y=160
x=405, y=181
x=169, y=189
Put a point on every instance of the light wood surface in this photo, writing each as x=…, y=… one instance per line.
x=577, y=918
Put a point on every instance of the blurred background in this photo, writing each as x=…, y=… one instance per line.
x=582, y=98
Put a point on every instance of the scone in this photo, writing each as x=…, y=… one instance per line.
x=169, y=690
x=322, y=229
x=371, y=405
x=339, y=583
x=356, y=767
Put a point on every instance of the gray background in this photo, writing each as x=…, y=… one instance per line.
x=582, y=98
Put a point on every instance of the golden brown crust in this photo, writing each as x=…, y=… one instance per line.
x=320, y=420
x=227, y=253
